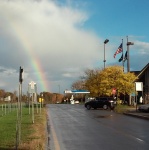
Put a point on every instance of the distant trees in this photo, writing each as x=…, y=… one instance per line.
x=79, y=85
x=4, y=94
x=47, y=96
x=100, y=82
x=51, y=97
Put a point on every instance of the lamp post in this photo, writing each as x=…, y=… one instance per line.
x=105, y=42
x=128, y=60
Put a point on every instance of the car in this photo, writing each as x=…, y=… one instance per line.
x=101, y=102
x=144, y=108
x=76, y=102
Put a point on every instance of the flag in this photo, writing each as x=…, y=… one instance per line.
x=119, y=50
x=125, y=58
x=121, y=58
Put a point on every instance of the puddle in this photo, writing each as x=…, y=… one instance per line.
x=107, y=116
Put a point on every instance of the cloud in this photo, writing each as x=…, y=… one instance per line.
x=51, y=33
x=48, y=38
x=143, y=47
x=7, y=75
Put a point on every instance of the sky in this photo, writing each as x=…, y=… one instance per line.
x=55, y=41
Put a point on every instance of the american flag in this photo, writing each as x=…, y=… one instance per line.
x=119, y=50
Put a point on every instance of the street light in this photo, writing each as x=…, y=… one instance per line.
x=128, y=61
x=105, y=42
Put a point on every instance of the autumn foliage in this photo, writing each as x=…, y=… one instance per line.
x=100, y=82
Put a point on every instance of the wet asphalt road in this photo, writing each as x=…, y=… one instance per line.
x=72, y=127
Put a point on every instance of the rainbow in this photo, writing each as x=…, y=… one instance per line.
x=35, y=62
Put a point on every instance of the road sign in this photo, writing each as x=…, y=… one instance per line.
x=114, y=91
x=139, y=86
x=32, y=88
x=32, y=84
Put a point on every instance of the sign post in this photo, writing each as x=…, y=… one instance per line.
x=32, y=90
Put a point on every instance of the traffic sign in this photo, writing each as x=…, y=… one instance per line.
x=32, y=88
x=114, y=91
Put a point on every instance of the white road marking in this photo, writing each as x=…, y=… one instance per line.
x=139, y=140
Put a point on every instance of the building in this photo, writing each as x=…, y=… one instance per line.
x=143, y=76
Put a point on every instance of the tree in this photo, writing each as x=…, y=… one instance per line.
x=51, y=97
x=101, y=82
x=78, y=85
x=2, y=94
x=93, y=82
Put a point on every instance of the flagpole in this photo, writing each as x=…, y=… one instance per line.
x=128, y=62
x=123, y=56
x=128, y=66
x=128, y=58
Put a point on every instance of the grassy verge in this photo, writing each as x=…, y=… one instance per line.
x=33, y=136
x=122, y=108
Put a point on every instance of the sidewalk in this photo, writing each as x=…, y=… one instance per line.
x=136, y=113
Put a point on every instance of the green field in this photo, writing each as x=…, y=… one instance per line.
x=9, y=122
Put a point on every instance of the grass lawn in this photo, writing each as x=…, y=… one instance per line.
x=33, y=136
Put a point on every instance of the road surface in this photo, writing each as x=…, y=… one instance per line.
x=73, y=127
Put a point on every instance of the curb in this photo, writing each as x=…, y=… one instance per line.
x=137, y=116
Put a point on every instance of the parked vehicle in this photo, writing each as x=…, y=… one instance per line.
x=101, y=102
x=77, y=102
x=144, y=108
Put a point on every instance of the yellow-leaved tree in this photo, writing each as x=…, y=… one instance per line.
x=100, y=82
